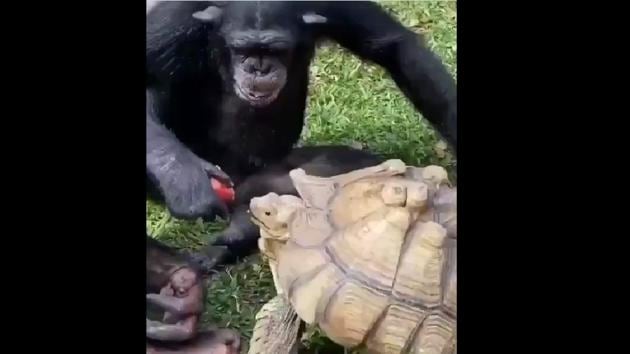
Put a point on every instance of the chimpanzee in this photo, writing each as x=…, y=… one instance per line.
x=175, y=290
x=227, y=85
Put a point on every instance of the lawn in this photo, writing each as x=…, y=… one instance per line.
x=350, y=103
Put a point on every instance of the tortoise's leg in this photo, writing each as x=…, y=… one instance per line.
x=273, y=266
x=262, y=246
x=277, y=329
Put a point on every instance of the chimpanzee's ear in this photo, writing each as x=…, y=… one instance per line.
x=313, y=18
x=210, y=15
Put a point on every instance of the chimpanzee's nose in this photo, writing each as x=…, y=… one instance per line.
x=260, y=66
x=265, y=67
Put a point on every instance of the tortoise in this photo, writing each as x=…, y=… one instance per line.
x=369, y=256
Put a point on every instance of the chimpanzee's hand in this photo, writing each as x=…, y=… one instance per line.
x=187, y=188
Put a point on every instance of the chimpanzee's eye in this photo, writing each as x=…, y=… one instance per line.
x=277, y=52
x=238, y=50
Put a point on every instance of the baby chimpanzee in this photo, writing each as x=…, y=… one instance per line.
x=239, y=239
x=174, y=286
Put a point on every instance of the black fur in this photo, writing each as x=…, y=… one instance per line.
x=194, y=114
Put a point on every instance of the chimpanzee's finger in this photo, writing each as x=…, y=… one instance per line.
x=221, y=209
x=216, y=172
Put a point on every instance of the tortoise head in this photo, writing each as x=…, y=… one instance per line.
x=273, y=213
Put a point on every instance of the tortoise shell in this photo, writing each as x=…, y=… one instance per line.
x=372, y=258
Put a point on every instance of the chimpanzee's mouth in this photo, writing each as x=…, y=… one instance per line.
x=256, y=98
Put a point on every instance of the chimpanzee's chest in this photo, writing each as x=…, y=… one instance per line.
x=248, y=138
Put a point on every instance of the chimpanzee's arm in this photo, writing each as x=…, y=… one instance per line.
x=181, y=176
x=180, y=331
x=368, y=31
x=162, y=145
x=173, y=53
x=164, y=152
x=173, y=39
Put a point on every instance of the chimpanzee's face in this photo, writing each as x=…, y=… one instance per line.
x=260, y=40
x=259, y=63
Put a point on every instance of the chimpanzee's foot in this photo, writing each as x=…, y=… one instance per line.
x=218, y=341
x=239, y=242
x=209, y=258
x=227, y=249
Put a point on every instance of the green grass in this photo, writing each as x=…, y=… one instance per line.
x=350, y=102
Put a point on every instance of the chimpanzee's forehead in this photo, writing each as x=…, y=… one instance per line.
x=266, y=23
x=259, y=15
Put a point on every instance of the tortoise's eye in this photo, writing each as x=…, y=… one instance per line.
x=268, y=213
